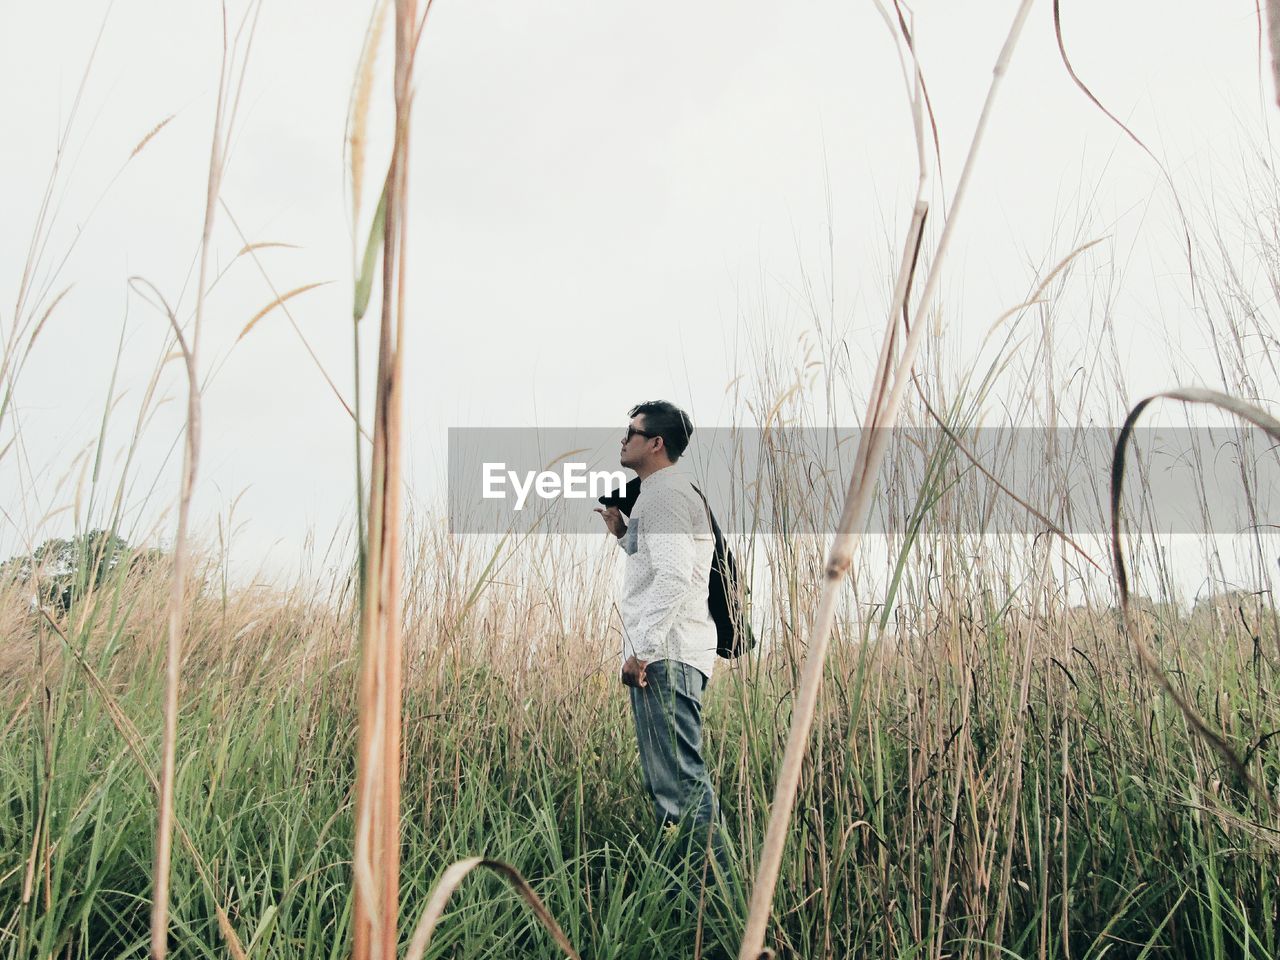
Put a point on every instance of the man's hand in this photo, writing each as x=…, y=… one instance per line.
x=612, y=517
x=633, y=672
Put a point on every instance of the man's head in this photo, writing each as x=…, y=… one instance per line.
x=656, y=437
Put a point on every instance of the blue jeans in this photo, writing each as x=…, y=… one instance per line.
x=668, y=715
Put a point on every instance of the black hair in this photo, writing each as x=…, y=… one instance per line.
x=667, y=421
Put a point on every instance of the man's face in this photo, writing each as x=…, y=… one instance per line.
x=636, y=445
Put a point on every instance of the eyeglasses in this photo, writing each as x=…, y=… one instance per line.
x=632, y=431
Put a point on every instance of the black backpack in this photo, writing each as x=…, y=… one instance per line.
x=726, y=597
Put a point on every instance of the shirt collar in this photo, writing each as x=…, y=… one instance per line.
x=664, y=475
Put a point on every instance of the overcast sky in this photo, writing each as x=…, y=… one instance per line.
x=607, y=199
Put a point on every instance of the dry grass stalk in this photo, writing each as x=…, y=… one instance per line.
x=882, y=414
x=44, y=317
x=806, y=696
x=1273, y=32
x=1264, y=422
x=450, y=882
x=359, y=112
x=1164, y=171
x=224, y=118
x=177, y=611
x=277, y=302
x=147, y=139
x=265, y=245
x=959, y=444
x=377, y=843
x=281, y=300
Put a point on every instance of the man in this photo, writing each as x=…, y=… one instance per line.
x=669, y=638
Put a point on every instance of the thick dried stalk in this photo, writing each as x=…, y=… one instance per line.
x=377, y=842
x=871, y=451
x=815, y=657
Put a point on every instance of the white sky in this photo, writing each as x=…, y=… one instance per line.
x=606, y=197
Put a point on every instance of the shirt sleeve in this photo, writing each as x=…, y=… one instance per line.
x=628, y=539
x=668, y=541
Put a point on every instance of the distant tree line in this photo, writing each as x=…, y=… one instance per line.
x=62, y=570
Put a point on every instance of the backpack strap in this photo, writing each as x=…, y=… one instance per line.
x=711, y=520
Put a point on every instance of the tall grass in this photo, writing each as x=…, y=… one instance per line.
x=999, y=774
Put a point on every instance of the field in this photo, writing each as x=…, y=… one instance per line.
x=1001, y=776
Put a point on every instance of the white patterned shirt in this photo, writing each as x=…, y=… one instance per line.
x=664, y=590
